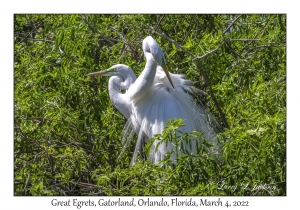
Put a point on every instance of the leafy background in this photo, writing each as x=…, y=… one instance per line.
x=67, y=134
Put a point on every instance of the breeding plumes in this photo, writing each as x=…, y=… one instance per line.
x=153, y=99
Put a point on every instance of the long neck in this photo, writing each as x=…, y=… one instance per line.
x=126, y=80
x=119, y=99
x=145, y=81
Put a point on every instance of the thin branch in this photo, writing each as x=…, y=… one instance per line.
x=160, y=17
x=122, y=37
x=90, y=26
x=231, y=49
x=207, y=84
x=217, y=127
x=254, y=37
x=174, y=42
x=122, y=53
x=41, y=40
x=125, y=41
x=28, y=138
x=27, y=180
x=97, y=54
x=82, y=130
x=141, y=58
x=206, y=54
x=95, y=30
x=51, y=119
x=245, y=40
x=227, y=42
x=30, y=32
x=231, y=24
x=182, y=48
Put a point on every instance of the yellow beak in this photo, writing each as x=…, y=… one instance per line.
x=168, y=75
x=97, y=73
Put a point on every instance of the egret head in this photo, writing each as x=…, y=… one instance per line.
x=151, y=46
x=125, y=74
x=116, y=70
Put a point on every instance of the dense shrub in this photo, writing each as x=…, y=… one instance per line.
x=67, y=137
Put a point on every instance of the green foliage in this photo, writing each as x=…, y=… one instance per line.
x=67, y=137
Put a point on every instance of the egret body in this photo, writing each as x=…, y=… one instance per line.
x=153, y=99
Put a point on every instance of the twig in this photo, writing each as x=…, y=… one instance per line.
x=90, y=26
x=231, y=49
x=206, y=83
x=248, y=53
x=133, y=51
x=110, y=40
x=30, y=32
x=97, y=54
x=245, y=40
x=28, y=138
x=171, y=40
x=254, y=37
x=141, y=58
x=217, y=127
x=41, y=40
x=122, y=53
x=206, y=54
x=226, y=42
x=62, y=189
x=179, y=46
x=51, y=119
x=26, y=182
x=112, y=184
x=160, y=17
x=231, y=24
x=199, y=25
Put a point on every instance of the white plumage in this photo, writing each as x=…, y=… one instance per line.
x=153, y=99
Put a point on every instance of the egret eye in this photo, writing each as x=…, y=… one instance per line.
x=111, y=70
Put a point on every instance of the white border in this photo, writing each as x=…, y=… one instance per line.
x=8, y=8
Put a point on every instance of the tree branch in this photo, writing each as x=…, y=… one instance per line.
x=254, y=37
x=231, y=24
x=39, y=40
x=210, y=52
x=207, y=84
x=71, y=125
x=174, y=42
x=160, y=17
x=244, y=40
x=133, y=51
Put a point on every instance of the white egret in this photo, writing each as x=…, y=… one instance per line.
x=154, y=98
x=122, y=77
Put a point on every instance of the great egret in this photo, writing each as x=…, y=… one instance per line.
x=122, y=77
x=154, y=98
